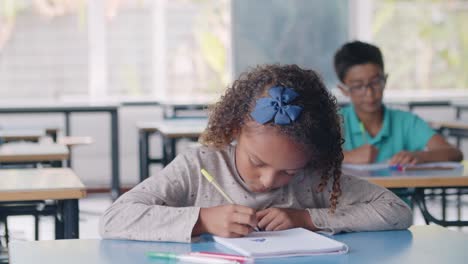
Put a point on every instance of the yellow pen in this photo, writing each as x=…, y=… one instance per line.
x=211, y=180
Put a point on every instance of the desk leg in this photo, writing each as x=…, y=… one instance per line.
x=420, y=200
x=143, y=148
x=115, y=182
x=70, y=217
x=169, y=149
x=459, y=193
x=173, y=148
x=68, y=133
x=165, y=151
x=59, y=224
x=444, y=204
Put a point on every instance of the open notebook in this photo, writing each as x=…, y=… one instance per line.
x=286, y=243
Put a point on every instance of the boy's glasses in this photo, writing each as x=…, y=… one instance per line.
x=377, y=85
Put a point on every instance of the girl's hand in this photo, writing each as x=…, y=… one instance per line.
x=226, y=221
x=274, y=219
x=405, y=158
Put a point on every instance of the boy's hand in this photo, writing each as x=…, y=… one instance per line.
x=274, y=219
x=405, y=158
x=365, y=154
x=226, y=221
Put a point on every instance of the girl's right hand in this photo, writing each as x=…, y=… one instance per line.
x=226, y=220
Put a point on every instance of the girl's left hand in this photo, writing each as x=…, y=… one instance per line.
x=274, y=219
x=405, y=158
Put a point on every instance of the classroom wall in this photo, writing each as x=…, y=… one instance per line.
x=92, y=163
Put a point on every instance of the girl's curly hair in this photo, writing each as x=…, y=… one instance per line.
x=318, y=126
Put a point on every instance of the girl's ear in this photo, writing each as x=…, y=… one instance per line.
x=236, y=133
x=343, y=90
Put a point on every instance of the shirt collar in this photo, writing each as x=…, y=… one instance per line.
x=384, y=131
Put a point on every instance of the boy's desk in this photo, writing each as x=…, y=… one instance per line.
x=72, y=107
x=60, y=184
x=420, y=180
x=170, y=130
x=24, y=152
x=419, y=244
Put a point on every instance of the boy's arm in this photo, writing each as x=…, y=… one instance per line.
x=437, y=149
x=362, y=206
x=424, y=145
x=153, y=209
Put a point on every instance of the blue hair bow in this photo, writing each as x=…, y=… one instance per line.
x=277, y=107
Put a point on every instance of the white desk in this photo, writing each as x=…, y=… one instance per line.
x=419, y=244
x=21, y=152
x=170, y=130
x=67, y=108
x=60, y=184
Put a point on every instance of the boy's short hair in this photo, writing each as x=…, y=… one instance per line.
x=354, y=53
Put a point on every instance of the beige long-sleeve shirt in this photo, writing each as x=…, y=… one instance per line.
x=165, y=207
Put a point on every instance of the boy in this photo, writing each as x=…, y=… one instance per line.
x=373, y=132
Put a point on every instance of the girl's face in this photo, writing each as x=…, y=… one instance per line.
x=267, y=160
x=364, y=86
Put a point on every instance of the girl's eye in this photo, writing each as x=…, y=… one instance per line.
x=256, y=163
x=290, y=174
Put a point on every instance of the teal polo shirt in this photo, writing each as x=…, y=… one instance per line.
x=400, y=131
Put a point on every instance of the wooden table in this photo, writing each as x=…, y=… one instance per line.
x=26, y=152
x=67, y=108
x=59, y=184
x=418, y=244
x=21, y=134
x=170, y=130
x=420, y=180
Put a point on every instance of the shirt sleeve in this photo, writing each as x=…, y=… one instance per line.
x=362, y=206
x=418, y=133
x=156, y=209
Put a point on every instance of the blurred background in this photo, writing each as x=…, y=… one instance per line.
x=137, y=51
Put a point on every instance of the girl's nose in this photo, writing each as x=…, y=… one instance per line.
x=268, y=179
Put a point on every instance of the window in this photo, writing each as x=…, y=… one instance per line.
x=43, y=50
x=425, y=43
x=110, y=49
x=303, y=32
x=113, y=49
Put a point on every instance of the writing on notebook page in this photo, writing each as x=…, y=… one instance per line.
x=259, y=239
x=284, y=243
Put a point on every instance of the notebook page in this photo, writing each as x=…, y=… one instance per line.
x=365, y=167
x=291, y=242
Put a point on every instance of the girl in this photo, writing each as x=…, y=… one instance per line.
x=273, y=144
